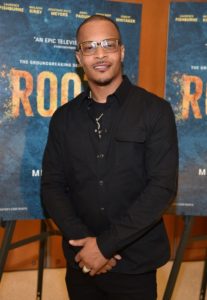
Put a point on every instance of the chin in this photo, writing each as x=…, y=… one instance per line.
x=102, y=81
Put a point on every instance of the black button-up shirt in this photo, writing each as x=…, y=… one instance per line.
x=101, y=115
x=113, y=177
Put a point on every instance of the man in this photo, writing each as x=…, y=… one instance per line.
x=109, y=173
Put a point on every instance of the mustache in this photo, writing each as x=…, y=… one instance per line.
x=101, y=62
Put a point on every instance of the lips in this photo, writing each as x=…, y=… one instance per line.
x=101, y=66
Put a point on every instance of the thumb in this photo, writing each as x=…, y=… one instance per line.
x=117, y=257
x=80, y=242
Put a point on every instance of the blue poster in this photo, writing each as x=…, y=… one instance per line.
x=38, y=73
x=186, y=89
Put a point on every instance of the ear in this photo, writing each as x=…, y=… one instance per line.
x=122, y=53
x=78, y=57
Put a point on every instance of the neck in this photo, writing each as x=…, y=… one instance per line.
x=99, y=93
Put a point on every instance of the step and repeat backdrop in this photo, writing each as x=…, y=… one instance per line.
x=186, y=90
x=38, y=73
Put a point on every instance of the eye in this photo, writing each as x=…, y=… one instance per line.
x=110, y=44
x=88, y=47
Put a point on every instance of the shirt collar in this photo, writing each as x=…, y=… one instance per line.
x=123, y=90
x=120, y=94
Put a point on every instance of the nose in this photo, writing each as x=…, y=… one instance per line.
x=100, y=52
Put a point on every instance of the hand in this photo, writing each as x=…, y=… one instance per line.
x=90, y=255
x=109, y=265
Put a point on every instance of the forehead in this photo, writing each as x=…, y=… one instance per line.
x=97, y=30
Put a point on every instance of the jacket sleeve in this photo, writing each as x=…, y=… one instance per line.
x=161, y=163
x=55, y=192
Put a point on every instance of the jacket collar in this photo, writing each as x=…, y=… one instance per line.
x=120, y=94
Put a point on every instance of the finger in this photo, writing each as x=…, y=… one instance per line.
x=105, y=269
x=118, y=257
x=102, y=272
x=81, y=264
x=108, y=267
x=112, y=262
x=77, y=243
x=93, y=272
x=77, y=258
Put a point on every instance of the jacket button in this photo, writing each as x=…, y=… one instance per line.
x=100, y=155
x=101, y=182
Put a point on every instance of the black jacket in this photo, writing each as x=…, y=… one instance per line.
x=137, y=185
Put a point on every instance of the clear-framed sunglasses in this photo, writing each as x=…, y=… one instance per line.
x=90, y=47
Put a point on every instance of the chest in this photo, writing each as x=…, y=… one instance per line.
x=119, y=149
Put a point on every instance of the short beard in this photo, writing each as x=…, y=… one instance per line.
x=103, y=82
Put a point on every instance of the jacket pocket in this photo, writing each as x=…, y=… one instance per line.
x=136, y=136
x=130, y=150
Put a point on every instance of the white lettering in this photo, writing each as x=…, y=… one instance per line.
x=36, y=173
x=202, y=172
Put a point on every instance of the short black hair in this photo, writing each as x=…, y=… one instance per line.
x=98, y=17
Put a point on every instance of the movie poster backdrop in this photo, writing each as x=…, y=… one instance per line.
x=186, y=89
x=38, y=73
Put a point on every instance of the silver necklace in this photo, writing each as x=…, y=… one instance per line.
x=98, y=125
x=98, y=129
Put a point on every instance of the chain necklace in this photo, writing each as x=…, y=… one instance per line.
x=98, y=129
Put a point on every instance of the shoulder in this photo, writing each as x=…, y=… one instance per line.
x=147, y=99
x=66, y=108
x=149, y=103
x=63, y=113
x=148, y=108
